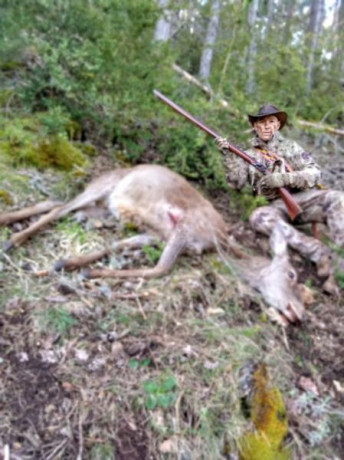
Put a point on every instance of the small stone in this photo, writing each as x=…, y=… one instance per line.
x=81, y=355
x=117, y=349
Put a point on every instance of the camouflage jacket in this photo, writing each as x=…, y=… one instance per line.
x=305, y=173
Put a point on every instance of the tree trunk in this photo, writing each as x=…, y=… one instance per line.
x=290, y=6
x=252, y=50
x=341, y=24
x=338, y=22
x=163, y=26
x=210, y=39
x=316, y=16
x=270, y=15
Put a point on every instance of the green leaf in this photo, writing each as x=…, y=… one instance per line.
x=150, y=386
x=133, y=363
x=165, y=400
x=168, y=384
x=151, y=402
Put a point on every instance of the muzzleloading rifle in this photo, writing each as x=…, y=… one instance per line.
x=292, y=207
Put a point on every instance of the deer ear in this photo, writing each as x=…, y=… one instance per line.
x=278, y=242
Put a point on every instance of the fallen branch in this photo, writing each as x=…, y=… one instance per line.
x=320, y=127
x=206, y=89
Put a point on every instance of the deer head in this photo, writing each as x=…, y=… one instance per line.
x=277, y=280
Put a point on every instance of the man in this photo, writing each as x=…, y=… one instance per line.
x=291, y=167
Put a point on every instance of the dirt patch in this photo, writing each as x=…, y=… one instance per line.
x=132, y=442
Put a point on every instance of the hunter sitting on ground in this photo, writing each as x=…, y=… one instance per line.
x=293, y=168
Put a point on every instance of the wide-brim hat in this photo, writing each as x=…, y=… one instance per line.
x=265, y=111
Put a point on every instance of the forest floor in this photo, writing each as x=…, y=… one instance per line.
x=135, y=370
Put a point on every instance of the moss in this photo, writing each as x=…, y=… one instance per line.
x=87, y=148
x=6, y=197
x=57, y=152
x=256, y=446
x=49, y=152
x=247, y=203
x=268, y=416
x=32, y=141
x=73, y=130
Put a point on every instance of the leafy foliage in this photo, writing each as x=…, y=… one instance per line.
x=153, y=253
x=160, y=392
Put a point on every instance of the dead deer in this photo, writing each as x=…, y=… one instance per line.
x=169, y=209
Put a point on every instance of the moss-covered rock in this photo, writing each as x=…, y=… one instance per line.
x=268, y=416
x=25, y=142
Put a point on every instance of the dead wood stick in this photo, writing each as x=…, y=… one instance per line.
x=206, y=89
x=321, y=127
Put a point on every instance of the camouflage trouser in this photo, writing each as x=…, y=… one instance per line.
x=323, y=206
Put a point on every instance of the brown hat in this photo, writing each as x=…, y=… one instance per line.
x=265, y=111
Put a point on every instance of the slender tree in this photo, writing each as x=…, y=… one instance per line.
x=163, y=26
x=338, y=23
x=252, y=50
x=270, y=15
x=289, y=8
x=316, y=16
x=210, y=39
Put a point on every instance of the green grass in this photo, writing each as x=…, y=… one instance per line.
x=56, y=319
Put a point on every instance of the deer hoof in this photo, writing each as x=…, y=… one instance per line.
x=59, y=265
x=7, y=246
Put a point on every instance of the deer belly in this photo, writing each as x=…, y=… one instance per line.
x=157, y=217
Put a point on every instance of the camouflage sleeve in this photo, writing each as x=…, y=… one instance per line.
x=306, y=172
x=236, y=170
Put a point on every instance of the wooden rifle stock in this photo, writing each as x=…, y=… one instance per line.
x=292, y=207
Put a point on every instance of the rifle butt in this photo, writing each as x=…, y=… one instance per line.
x=292, y=207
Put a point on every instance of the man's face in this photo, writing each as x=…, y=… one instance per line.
x=266, y=127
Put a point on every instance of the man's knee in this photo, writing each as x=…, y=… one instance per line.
x=334, y=212
x=263, y=219
x=335, y=200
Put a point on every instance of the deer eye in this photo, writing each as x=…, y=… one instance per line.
x=291, y=275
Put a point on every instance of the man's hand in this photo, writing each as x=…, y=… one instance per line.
x=273, y=181
x=222, y=144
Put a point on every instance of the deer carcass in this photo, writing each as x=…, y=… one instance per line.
x=166, y=207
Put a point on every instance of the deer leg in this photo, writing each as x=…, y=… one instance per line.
x=264, y=220
x=16, y=216
x=18, y=238
x=88, y=196
x=134, y=242
x=173, y=248
x=81, y=261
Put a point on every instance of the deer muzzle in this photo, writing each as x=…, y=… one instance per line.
x=293, y=313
